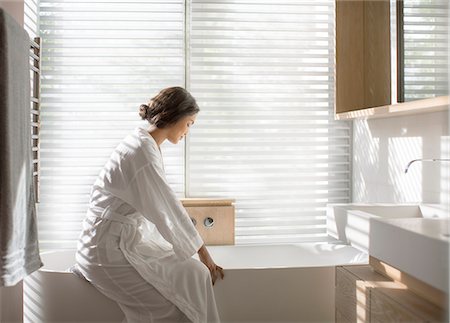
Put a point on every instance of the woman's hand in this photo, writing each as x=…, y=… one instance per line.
x=205, y=258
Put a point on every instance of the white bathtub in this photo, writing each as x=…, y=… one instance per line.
x=273, y=283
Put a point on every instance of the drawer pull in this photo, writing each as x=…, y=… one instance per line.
x=208, y=222
x=194, y=221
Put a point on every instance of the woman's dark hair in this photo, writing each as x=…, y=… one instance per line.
x=169, y=106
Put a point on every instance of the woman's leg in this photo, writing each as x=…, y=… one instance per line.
x=192, y=281
x=139, y=300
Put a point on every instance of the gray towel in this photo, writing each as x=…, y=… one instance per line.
x=19, y=251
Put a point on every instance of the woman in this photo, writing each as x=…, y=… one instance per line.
x=137, y=239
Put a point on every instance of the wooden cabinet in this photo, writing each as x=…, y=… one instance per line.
x=363, y=60
x=363, y=82
x=347, y=302
x=213, y=218
x=363, y=295
x=385, y=309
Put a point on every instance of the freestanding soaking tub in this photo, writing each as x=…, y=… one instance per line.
x=271, y=283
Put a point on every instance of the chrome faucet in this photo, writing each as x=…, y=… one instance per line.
x=424, y=159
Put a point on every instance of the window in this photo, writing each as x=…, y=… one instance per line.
x=31, y=17
x=425, y=25
x=101, y=60
x=263, y=74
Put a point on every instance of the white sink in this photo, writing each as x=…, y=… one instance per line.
x=411, y=237
x=350, y=223
x=417, y=246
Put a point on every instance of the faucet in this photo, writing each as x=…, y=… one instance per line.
x=424, y=159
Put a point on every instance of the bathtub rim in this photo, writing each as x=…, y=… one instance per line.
x=363, y=261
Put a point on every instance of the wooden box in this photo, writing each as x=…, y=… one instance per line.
x=213, y=218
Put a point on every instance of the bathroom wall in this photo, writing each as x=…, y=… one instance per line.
x=383, y=147
x=14, y=9
x=11, y=300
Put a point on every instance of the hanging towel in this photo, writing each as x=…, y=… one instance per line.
x=19, y=251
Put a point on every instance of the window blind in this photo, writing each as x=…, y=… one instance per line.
x=425, y=48
x=31, y=18
x=101, y=60
x=263, y=74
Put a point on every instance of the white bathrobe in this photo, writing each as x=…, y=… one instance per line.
x=137, y=240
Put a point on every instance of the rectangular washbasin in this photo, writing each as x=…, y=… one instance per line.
x=416, y=246
x=350, y=223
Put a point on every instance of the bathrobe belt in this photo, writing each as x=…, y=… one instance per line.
x=106, y=213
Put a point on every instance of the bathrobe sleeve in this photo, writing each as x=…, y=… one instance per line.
x=155, y=200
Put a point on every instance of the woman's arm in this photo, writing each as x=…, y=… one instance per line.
x=151, y=195
x=216, y=271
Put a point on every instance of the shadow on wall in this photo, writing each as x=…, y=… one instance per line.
x=383, y=147
x=33, y=300
x=60, y=296
x=11, y=304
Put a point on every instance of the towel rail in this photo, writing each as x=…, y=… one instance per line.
x=35, y=69
x=35, y=43
x=34, y=56
x=35, y=72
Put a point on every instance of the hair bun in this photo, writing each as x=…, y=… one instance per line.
x=143, y=111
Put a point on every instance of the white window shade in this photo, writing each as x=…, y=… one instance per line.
x=425, y=24
x=31, y=17
x=101, y=60
x=263, y=75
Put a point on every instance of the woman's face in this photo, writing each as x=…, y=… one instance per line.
x=178, y=130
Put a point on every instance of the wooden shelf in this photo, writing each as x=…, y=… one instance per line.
x=400, y=109
x=206, y=202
